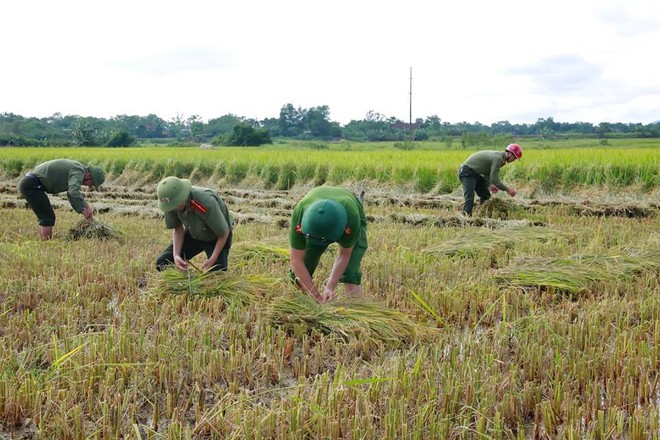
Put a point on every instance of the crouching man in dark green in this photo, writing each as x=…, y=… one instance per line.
x=326, y=215
x=53, y=177
x=200, y=221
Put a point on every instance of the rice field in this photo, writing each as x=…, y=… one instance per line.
x=537, y=318
x=427, y=169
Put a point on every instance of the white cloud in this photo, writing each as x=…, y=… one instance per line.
x=483, y=61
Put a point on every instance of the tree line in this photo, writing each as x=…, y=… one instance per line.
x=293, y=123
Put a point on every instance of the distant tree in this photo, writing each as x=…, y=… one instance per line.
x=500, y=127
x=317, y=121
x=272, y=125
x=245, y=135
x=86, y=132
x=178, y=128
x=120, y=138
x=291, y=121
x=151, y=126
x=221, y=126
x=374, y=127
x=603, y=128
x=195, y=125
x=545, y=133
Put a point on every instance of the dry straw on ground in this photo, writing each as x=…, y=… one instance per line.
x=349, y=318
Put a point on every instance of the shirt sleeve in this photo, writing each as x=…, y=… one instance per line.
x=352, y=232
x=75, y=196
x=495, y=166
x=215, y=219
x=296, y=239
x=171, y=220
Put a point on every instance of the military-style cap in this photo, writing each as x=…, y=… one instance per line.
x=172, y=192
x=323, y=222
x=98, y=176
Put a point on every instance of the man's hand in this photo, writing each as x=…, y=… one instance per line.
x=493, y=188
x=208, y=264
x=88, y=212
x=180, y=263
x=511, y=192
x=327, y=295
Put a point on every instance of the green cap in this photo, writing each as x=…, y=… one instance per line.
x=98, y=176
x=323, y=222
x=172, y=192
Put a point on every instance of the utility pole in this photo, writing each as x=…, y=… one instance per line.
x=410, y=126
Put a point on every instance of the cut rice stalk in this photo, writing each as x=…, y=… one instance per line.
x=578, y=273
x=234, y=289
x=350, y=318
x=263, y=252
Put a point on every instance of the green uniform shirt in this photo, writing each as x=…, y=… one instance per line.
x=61, y=175
x=206, y=216
x=488, y=164
x=340, y=195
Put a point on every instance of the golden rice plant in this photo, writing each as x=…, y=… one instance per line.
x=234, y=289
x=94, y=230
x=349, y=318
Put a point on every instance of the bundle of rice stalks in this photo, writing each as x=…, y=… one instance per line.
x=579, y=273
x=496, y=207
x=232, y=288
x=95, y=230
x=485, y=240
x=264, y=252
x=467, y=246
x=562, y=276
x=350, y=318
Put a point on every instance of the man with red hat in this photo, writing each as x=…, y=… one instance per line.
x=480, y=173
x=326, y=215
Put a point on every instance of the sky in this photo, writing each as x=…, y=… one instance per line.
x=471, y=61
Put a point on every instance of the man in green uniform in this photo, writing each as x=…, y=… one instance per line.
x=53, y=177
x=326, y=215
x=481, y=173
x=200, y=221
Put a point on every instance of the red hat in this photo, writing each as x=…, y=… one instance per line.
x=515, y=149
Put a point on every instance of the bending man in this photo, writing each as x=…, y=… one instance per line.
x=480, y=173
x=326, y=215
x=53, y=177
